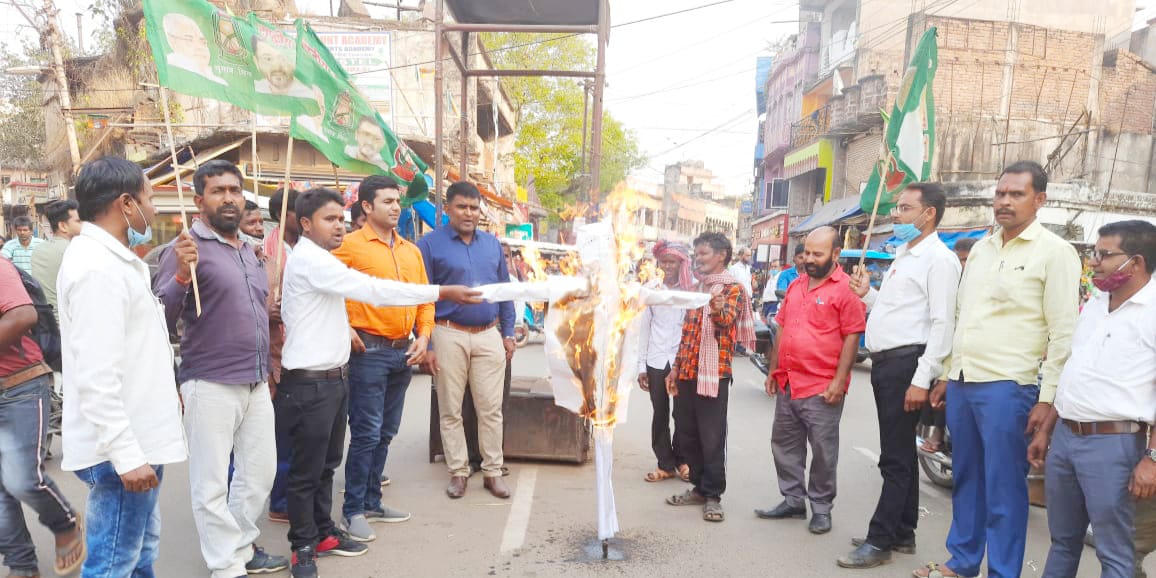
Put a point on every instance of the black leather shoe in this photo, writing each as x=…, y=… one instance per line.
x=865, y=556
x=783, y=511
x=905, y=547
x=820, y=524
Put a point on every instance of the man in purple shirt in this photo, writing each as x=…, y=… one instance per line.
x=223, y=373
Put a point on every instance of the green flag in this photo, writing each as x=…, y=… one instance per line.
x=349, y=131
x=200, y=50
x=910, y=135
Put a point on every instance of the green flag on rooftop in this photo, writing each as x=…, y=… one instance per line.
x=909, y=140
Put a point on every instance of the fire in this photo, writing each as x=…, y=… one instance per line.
x=538, y=265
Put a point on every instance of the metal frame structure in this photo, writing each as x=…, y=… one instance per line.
x=535, y=23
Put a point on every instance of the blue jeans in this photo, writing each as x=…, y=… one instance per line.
x=378, y=380
x=1087, y=481
x=23, y=426
x=990, y=466
x=124, y=528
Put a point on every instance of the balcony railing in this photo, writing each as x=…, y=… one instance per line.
x=811, y=128
x=859, y=105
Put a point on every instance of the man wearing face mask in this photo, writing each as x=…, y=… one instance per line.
x=909, y=335
x=122, y=424
x=1098, y=465
x=810, y=363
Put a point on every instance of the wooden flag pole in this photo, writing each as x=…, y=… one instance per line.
x=180, y=190
x=281, y=221
x=871, y=223
x=256, y=164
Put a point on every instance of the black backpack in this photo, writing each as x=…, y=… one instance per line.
x=46, y=332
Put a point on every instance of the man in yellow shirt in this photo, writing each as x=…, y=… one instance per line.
x=384, y=353
x=1017, y=310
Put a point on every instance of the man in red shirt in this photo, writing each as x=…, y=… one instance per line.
x=821, y=321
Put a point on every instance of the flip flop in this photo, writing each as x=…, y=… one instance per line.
x=712, y=511
x=659, y=475
x=933, y=570
x=71, y=549
x=687, y=498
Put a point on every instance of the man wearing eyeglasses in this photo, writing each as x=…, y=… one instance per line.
x=1100, y=461
x=1017, y=308
x=909, y=335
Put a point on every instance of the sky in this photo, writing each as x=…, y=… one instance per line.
x=684, y=83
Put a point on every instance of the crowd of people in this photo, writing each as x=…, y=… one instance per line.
x=992, y=333
x=292, y=340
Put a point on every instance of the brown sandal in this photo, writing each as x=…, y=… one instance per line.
x=684, y=472
x=687, y=498
x=659, y=475
x=934, y=570
x=76, y=550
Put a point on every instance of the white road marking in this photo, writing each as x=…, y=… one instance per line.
x=874, y=457
x=519, y=518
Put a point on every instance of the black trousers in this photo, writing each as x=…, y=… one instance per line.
x=897, y=513
x=702, y=436
x=666, y=449
x=311, y=414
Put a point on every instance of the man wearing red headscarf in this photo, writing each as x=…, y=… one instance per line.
x=658, y=345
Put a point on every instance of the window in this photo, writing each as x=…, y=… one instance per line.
x=776, y=197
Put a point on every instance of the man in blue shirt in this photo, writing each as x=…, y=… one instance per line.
x=471, y=344
x=787, y=277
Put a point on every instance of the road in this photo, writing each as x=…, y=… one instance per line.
x=545, y=527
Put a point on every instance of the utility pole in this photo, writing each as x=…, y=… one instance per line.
x=52, y=37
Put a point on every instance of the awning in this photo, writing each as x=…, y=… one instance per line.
x=817, y=155
x=830, y=213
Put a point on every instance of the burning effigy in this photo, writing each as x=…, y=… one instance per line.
x=591, y=332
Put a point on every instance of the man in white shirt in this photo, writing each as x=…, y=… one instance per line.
x=658, y=345
x=122, y=423
x=909, y=335
x=1098, y=466
x=312, y=399
x=741, y=269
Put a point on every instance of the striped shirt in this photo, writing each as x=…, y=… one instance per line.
x=20, y=255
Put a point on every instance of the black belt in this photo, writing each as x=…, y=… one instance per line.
x=316, y=374
x=372, y=341
x=906, y=350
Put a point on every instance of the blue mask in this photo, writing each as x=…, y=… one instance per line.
x=906, y=232
x=136, y=239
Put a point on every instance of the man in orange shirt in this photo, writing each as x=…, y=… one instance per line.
x=384, y=353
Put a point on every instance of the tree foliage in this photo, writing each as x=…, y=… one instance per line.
x=549, y=116
x=21, y=110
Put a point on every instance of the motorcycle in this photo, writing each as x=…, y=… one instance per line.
x=532, y=322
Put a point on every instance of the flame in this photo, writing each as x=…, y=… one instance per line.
x=533, y=258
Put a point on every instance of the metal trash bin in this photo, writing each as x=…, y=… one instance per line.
x=534, y=428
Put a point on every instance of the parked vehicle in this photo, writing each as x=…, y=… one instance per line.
x=532, y=323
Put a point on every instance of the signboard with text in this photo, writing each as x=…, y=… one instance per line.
x=366, y=56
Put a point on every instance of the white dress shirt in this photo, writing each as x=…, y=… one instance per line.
x=1111, y=375
x=313, y=295
x=915, y=305
x=742, y=273
x=659, y=338
x=118, y=365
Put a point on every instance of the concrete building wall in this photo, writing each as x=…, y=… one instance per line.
x=862, y=152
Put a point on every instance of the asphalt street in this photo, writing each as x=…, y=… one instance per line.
x=548, y=527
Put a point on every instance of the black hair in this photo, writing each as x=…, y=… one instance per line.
x=931, y=195
x=21, y=221
x=59, y=212
x=1039, y=176
x=103, y=181
x=214, y=168
x=462, y=189
x=251, y=206
x=1136, y=238
x=965, y=244
x=799, y=249
x=309, y=202
x=278, y=198
x=367, y=190
x=718, y=243
x=356, y=212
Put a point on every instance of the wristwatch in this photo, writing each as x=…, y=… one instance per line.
x=1151, y=453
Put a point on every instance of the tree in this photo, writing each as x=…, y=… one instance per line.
x=549, y=116
x=21, y=110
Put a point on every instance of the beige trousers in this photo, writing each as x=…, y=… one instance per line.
x=477, y=360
